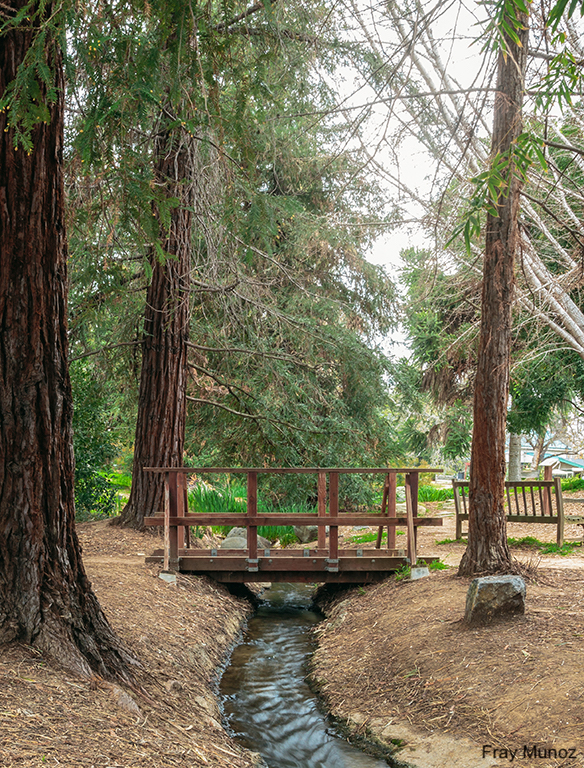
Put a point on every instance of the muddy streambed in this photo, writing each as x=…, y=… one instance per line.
x=266, y=702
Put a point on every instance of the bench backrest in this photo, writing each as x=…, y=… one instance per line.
x=528, y=501
x=525, y=498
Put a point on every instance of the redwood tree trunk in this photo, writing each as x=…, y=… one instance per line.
x=45, y=597
x=160, y=426
x=487, y=550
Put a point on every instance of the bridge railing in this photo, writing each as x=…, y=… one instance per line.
x=176, y=519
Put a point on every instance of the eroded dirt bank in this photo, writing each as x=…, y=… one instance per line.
x=397, y=663
x=181, y=632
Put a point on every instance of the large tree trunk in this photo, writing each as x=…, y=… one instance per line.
x=160, y=426
x=45, y=597
x=487, y=550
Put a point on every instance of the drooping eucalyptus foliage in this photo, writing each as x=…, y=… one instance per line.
x=437, y=85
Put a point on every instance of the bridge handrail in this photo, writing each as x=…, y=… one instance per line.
x=176, y=518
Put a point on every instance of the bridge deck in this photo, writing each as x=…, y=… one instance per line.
x=353, y=566
x=323, y=563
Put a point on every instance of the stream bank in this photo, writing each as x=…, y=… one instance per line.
x=182, y=633
x=395, y=662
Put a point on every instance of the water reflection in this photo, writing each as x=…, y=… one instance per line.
x=267, y=703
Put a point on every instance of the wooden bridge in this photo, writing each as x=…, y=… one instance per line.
x=324, y=562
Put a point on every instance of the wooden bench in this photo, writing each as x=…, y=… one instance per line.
x=528, y=501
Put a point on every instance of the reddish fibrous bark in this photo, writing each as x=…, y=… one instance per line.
x=160, y=426
x=46, y=599
x=487, y=550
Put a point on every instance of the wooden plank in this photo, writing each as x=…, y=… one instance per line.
x=383, y=511
x=547, y=476
x=252, y=511
x=321, y=496
x=282, y=554
x=174, y=512
x=411, y=541
x=166, y=523
x=333, y=513
x=289, y=564
x=298, y=470
x=183, y=507
x=560, y=508
x=276, y=519
x=512, y=483
x=457, y=511
x=391, y=510
x=414, y=484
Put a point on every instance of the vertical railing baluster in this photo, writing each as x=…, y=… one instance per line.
x=321, y=493
x=392, y=509
x=174, y=512
x=252, y=511
x=334, y=512
x=383, y=512
x=166, y=564
x=414, y=484
x=181, y=507
x=411, y=543
x=548, y=478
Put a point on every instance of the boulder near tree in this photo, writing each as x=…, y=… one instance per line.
x=46, y=599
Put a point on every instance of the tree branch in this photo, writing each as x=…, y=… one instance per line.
x=106, y=349
x=253, y=416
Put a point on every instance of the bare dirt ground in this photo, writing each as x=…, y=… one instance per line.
x=396, y=661
x=181, y=633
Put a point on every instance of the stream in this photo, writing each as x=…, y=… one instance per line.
x=268, y=706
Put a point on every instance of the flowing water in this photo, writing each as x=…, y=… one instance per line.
x=268, y=705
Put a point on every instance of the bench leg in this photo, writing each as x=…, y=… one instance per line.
x=458, y=534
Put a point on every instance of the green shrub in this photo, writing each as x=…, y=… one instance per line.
x=572, y=483
x=94, y=496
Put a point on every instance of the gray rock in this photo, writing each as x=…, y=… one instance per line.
x=492, y=597
x=237, y=532
x=306, y=533
x=240, y=542
x=419, y=572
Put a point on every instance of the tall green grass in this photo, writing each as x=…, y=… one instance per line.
x=232, y=500
x=431, y=493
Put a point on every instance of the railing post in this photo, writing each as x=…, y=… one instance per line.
x=383, y=512
x=166, y=563
x=252, y=510
x=560, y=510
x=182, y=509
x=173, y=506
x=334, y=512
x=388, y=507
x=321, y=492
x=548, y=478
x=392, y=509
x=411, y=543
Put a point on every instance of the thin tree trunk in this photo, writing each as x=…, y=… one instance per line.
x=487, y=550
x=514, y=468
x=538, y=452
x=160, y=426
x=45, y=597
